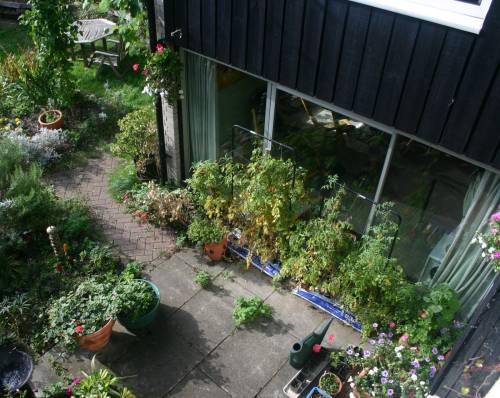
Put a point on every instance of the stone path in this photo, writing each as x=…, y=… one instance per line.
x=193, y=348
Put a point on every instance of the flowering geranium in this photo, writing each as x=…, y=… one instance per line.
x=162, y=73
x=490, y=242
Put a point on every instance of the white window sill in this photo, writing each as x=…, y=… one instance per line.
x=455, y=14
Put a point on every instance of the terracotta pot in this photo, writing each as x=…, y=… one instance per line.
x=98, y=340
x=57, y=124
x=216, y=250
x=338, y=381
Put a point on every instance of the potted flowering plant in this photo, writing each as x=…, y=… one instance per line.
x=211, y=233
x=490, y=242
x=330, y=383
x=85, y=316
x=139, y=303
x=51, y=119
x=162, y=73
x=390, y=368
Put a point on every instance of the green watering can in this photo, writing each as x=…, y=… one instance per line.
x=302, y=350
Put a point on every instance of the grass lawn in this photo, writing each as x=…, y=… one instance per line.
x=13, y=38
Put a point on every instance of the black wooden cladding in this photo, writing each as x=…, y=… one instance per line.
x=437, y=83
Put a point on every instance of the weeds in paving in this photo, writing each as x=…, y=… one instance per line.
x=203, y=279
x=247, y=310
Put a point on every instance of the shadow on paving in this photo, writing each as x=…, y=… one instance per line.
x=155, y=359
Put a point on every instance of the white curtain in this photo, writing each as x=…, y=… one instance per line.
x=463, y=267
x=201, y=104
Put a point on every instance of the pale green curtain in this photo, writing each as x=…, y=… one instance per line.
x=201, y=104
x=463, y=267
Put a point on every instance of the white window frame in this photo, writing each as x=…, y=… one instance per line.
x=453, y=13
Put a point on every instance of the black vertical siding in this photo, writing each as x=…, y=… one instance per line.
x=432, y=81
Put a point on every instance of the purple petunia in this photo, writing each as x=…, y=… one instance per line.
x=390, y=335
x=383, y=380
x=413, y=372
x=350, y=351
x=433, y=371
x=366, y=353
x=385, y=373
x=427, y=359
x=382, y=334
x=440, y=358
x=372, y=341
x=435, y=350
x=390, y=391
x=381, y=341
x=415, y=363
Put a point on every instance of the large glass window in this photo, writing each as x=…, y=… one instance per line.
x=327, y=143
x=431, y=191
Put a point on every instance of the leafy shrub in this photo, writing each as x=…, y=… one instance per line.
x=137, y=139
x=122, y=180
x=10, y=158
x=172, y=208
x=98, y=258
x=75, y=222
x=203, y=230
x=136, y=297
x=203, y=279
x=248, y=310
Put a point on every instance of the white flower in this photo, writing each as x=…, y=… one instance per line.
x=399, y=348
x=414, y=377
x=351, y=395
x=148, y=90
x=491, y=250
x=375, y=369
x=352, y=385
x=474, y=240
x=483, y=254
x=103, y=116
x=398, y=354
x=350, y=379
x=422, y=383
x=371, y=372
x=484, y=245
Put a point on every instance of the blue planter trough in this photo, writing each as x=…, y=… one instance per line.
x=269, y=268
x=317, y=390
x=329, y=306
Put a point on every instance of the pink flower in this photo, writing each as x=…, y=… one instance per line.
x=496, y=254
x=392, y=325
x=375, y=325
x=316, y=348
x=135, y=67
x=145, y=72
x=331, y=338
x=494, y=231
x=79, y=329
x=69, y=392
x=160, y=48
x=76, y=381
x=495, y=216
x=404, y=337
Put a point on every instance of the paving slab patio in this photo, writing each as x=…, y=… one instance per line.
x=193, y=348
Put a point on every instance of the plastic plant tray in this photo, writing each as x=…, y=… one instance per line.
x=270, y=269
x=329, y=306
x=319, y=391
x=302, y=380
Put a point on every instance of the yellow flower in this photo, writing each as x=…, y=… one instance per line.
x=18, y=121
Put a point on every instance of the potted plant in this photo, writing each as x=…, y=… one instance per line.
x=51, y=119
x=330, y=383
x=86, y=316
x=211, y=233
x=139, y=303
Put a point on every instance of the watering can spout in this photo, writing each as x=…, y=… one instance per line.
x=302, y=350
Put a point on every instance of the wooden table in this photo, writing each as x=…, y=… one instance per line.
x=90, y=31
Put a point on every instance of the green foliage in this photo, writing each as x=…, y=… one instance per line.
x=329, y=383
x=318, y=247
x=203, y=279
x=75, y=221
x=137, y=298
x=137, y=139
x=52, y=31
x=248, y=310
x=122, y=179
x=98, y=258
x=10, y=158
x=270, y=203
x=132, y=270
x=203, y=230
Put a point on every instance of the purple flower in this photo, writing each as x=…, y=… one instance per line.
x=415, y=363
x=382, y=335
x=495, y=216
x=385, y=373
x=390, y=335
x=427, y=359
x=375, y=325
x=350, y=351
x=366, y=353
x=381, y=341
x=390, y=391
x=372, y=341
x=413, y=372
x=383, y=380
x=444, y=330
x=435, y=350
x=440, y=358
x=433, y=371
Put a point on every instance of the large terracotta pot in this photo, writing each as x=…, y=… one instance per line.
x=56, y=124
x=98, y=340
x=216, y=250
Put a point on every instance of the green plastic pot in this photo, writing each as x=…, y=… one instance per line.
x=146, y=319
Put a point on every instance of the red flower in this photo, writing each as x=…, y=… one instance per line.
x=79, y=329
x=135, y=67
x=69, y=392
x=392, y=325
x=58, y=267
x=331, y=338
x=160, y=48
x=316, y=348
x=145, y=72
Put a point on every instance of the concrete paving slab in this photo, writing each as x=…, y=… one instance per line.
x=198, y=261
x=198, y=384
x=255, y=281
x=245, y=362
x=274, y=389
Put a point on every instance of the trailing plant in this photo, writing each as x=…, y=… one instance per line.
x=490, y=242
x=270, y=203
x=247, y=310
x=203, y=230
x=162, y=71
x=317, y=248
x=203, y=279
x=137, y=139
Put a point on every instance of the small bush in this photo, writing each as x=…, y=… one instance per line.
x=123, y=179
x=248, y=310
x=203, y=230
x=203, y=279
